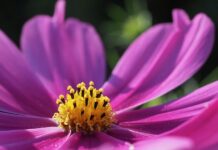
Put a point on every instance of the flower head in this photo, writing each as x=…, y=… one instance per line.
x=84, y=110
x=36, y=112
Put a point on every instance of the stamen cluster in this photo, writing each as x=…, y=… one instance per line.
x=84, y=109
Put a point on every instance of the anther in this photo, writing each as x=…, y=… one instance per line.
x=91, y=83
x=72, y=93
x=86, y=101
x=95, y=105
x=105, y=103
x=61, y=97
x=91, y=92
x=83, y=84
x=103, y=115
x=99, y=94
x=101, y=90
x=69, y=88
x=82, y=112
x=83, y=93
x=78, y=90
x=58, y=101
x=78, y=87
x=91, y=117
x=74, y=104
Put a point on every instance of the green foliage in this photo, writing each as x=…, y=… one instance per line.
x=211, y=77
x=124, y=26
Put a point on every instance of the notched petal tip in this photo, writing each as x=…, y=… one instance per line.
x=59, y=12
x=207, y=28
x=181, y=18
x=203, y=19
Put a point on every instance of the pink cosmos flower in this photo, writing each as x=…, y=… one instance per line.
x=56, y=53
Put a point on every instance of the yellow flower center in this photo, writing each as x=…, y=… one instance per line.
x=84, y=109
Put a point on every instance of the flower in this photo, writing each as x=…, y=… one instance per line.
x=56, y=53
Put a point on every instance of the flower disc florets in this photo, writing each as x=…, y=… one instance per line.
x=84, y=109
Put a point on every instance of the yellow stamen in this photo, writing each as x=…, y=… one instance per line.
x=84, y=109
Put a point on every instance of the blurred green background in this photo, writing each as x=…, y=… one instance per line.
x=119, y=22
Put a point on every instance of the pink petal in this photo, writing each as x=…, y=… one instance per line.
x=202, y=129
x=95, y=141
x=164, y=143
x=161, y=59
x=126, y=134
x=63, y=53
x=165, y=117
x=20, y=88
x=59, y=13
x=19, y=121
x=41, y=138
x=9, y=103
